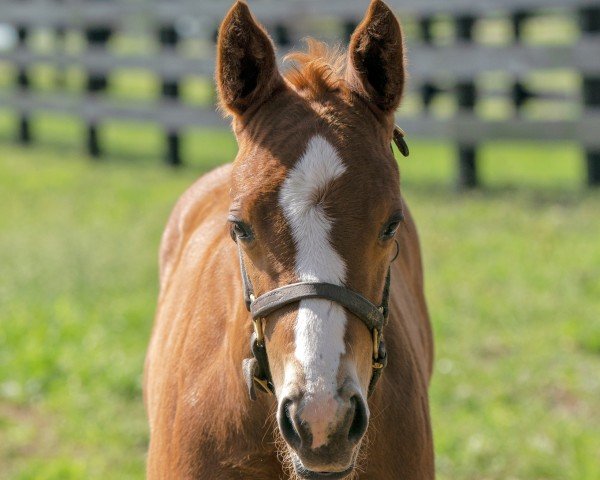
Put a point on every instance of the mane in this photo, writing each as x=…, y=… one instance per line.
x=317, y=71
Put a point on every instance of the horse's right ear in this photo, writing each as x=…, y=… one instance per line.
x=247, y=71
x=376, y=58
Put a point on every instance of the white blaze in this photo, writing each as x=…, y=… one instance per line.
x=321, y=324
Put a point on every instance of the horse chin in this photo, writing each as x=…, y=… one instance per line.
x=304, y=474
x=297, y=469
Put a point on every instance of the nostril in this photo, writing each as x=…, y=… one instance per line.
x=286, y=424
x=360, y=420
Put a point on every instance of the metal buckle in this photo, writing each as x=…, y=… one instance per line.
x=263, y=384
x=377, y=338
x=375, y=344
x=259, y=329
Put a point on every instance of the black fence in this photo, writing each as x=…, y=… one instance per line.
x=464, y=57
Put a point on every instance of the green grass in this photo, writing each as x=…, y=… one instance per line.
x=513, y=283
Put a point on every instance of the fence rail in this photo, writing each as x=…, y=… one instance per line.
x=464, y=127
x=78, y=12
x=452, y=64
x=428, y=65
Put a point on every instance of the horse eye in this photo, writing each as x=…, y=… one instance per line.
x=390, y=230
x=240, y=231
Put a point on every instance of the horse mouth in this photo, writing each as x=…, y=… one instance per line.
x=306, y=474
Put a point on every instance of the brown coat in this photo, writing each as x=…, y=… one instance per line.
x=202, y=423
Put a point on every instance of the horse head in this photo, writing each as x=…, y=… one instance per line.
x=315, y=198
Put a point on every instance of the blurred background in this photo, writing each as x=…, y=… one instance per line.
x=107, y=115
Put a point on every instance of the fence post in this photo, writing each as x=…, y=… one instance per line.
x=590, y=25
x=428, y=89
x=348, y=28
x=520, y=94
x=60, y=35
x=282, y=35
x=97, y=37
x=169, y=38
x=60, y=72
x=23, y=84
x=466, y=97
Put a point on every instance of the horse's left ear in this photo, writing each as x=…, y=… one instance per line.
x=246, y=72
x=376, y=69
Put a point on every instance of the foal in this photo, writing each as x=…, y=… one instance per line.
x=313, y=196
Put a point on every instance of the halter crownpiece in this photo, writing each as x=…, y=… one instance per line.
x=256, y=368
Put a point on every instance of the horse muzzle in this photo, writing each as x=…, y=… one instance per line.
x=324, y=432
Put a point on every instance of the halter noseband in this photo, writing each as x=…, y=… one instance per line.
x=256, y=369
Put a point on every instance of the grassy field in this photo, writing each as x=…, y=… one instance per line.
x=513, y=282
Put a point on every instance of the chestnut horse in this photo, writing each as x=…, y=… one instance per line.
x=313, y=196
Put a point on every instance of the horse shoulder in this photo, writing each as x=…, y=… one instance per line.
x=203, y=200
x=207, y=195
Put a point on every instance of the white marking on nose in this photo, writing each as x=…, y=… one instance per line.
x=321, y=324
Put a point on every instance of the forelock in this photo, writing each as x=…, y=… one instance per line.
x=317, y=71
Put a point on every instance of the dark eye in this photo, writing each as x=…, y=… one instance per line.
x=391, y=227
x=390, y=230
x=239, y=230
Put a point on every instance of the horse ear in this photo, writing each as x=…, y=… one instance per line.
x=376, y=69
x=246, y=71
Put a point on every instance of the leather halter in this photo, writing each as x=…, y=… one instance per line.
x=256, y=369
